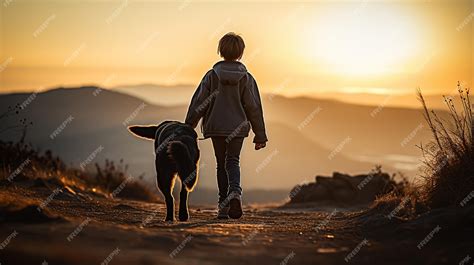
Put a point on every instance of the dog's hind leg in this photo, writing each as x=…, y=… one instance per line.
x=188, y=177
x=183, y=203
x=165, y=183
x=169, y=206
x=188, y=174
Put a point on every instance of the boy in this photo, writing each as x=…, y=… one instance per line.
x=228, y=99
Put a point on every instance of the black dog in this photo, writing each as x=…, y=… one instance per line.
x=177, y=153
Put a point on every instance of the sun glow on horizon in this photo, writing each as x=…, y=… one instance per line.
x=293, y=47
x=365, y=40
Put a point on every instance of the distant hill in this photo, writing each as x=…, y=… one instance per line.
x=364, y=116
x=303, y=143
x=159, y=95
x=181, y=94
x=383, y=135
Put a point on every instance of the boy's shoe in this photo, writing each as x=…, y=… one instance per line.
x=223, y=212
x=235, y=207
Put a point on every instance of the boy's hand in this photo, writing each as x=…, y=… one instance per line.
x=260, y=145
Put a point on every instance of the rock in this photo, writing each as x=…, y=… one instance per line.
x=343, y=188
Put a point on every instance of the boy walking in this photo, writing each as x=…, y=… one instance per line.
x=228, y=101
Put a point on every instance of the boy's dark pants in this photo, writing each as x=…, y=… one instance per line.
x=227, y=151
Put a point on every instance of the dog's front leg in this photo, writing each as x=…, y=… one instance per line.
x=183, y=204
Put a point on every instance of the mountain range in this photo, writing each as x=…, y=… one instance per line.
x=307, y=136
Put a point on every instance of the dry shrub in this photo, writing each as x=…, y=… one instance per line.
x=448, y=163
x=448, y=171
x=20, y=162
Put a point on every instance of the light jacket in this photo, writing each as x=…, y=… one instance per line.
x=228, y=101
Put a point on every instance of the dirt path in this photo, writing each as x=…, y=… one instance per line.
x=105, y=231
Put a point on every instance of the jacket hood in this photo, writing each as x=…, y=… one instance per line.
x=229, y=72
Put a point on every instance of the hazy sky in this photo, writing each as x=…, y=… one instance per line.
x=292, y=47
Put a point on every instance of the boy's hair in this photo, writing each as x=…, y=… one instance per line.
x=231, y=47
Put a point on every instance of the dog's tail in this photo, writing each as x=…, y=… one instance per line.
x=187, y=170
x=147, y=132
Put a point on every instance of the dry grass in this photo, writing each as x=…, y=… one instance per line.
x=449, y=159
x=448, y=171
x=20, y=162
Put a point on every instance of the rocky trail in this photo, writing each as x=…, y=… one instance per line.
x=71, y=229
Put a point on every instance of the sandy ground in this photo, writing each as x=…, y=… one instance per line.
x=92, y=230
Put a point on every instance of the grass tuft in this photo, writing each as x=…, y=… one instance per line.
x=448, y=162
x=20, y=162
x=448, y=171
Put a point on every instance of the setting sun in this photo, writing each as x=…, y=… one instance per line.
x=364, y=40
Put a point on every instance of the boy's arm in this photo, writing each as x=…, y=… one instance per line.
x=253, y=109
x=199, y=102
